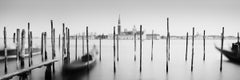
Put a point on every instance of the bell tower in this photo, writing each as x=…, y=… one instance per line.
x=119, y=25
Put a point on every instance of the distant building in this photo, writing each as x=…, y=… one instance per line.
x=154, y=36
x=126, y=34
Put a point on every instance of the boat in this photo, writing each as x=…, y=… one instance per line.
x=233, y=54
x=82, y=65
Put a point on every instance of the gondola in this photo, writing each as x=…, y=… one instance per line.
x=81, y=66
x=232, y=55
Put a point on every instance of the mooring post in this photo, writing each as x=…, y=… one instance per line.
x=192, y=49
x=140, y=48
x=118, y=46
x=87, y=48
x=45, y=46
x=29, y=58
x=53, y=48
x=83, y=43
x=31, y=48
x=14, y=37
x=186, y=47
x=59, y=42
x=22, y=50
x=63, y=44
x=168, y=42
x=135, y=49
x=152, y=47
x=222, y=40
x=114, y=65
x=76, y=49
x=42, y=47
x=5, y=50
x=100, y=47
x=18, y=47
x=238, y=37
x=167, y=53
x=204, y=44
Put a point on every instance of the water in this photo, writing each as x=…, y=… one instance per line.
x=128, y=69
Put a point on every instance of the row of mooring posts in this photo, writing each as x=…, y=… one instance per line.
x=66, y=45
x=23, y=71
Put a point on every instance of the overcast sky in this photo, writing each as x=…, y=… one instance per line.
x=102, y=15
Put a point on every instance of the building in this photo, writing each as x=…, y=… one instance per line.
x=153, y=36
x=126, y=34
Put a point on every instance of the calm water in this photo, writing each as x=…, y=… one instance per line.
x=128, y=69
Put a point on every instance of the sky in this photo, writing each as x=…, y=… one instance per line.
x=101, y=15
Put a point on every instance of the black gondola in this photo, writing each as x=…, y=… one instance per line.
x=234, y=54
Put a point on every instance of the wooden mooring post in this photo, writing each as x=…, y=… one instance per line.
x=83, y=43
x=204, y=45
x=5, y=51
x=87, y=47
x=18, y=48
x=152, y=47
x=76, y=48
x=238, y=37
x=167, y=52
x=22, y=63
x=135, y=46
x=59, y=42
x=42, y=46
x=140, y=49
x=100, y=47
x=53, y=47
x=114, y=64
x=168, y=42
x=186, y=54
x=45, y=46
x=63, y=44
x=118, y=46
x=192, y=49
x=222, y=41
x=14, y=37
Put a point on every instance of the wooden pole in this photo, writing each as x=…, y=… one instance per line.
x=29, y=58
x=59, y=41
x=114, y=65
x=5, y=50
x=238, y=37
x=42, y=47
x=76, y=49
x=204, y=44
x=87, y=47
x=186, y=47
x=68, y=45
x=118, y=47
x=192, y=49
x=45, y=45
x=222, y=40
x=167, y=52
x=152, y=47
x=100, y=48
x=14, y=37
x=83, y=43
x=168, y=42
x=18, y=48
x=140, y=48
x=63, y=44
x=135, y=49
x=31, y=48
x=53, y=46
x=22, y=50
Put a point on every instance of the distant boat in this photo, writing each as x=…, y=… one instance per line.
x=234, y=54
